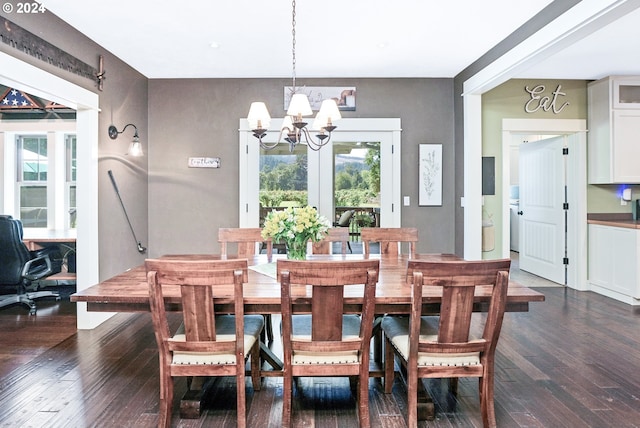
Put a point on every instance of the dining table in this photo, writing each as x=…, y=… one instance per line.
x=128, y=292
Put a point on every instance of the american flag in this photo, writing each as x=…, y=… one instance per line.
x=13, y=98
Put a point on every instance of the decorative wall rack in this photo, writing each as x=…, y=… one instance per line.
x=27, y=42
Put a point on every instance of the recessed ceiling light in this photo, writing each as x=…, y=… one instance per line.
x=382, y=45
x=214, y=45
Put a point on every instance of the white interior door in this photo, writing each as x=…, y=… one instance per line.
x=542, y=196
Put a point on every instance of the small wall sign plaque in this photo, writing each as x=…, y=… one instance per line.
x=204, y=162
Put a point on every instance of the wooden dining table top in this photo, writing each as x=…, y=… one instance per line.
x=128, y=291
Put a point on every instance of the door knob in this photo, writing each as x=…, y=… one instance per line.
x=520, y=212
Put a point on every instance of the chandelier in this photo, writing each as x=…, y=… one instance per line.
x=294, y=128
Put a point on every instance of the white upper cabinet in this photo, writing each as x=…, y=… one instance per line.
x=626, y=92
x=614, y=130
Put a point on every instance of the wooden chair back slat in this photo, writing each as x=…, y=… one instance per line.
x=326, y=325
x=334, y=234
x=327, y=279
x=198, y=313
x=458, y=280
x=390, y=239
x=246, y=239
x=197, y=280
x=197, y=272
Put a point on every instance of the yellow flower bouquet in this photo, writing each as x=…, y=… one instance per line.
x=295, y=227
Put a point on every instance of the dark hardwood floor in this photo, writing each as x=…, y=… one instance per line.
x=572, y=361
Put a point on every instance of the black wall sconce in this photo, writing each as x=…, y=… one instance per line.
x=135, y=148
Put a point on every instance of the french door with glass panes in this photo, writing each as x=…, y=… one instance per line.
x=351, y=136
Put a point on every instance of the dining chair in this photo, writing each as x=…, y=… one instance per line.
x=443, y=347
x=390, y=239
x=328, y=342
x=206, y=343
x=345, y=222
x=334, y=234
x=246, y=238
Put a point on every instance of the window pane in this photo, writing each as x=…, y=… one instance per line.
x=72, y=207
x=33, y=206
x=357, y=183
x=283, y=178
x=71, y=158
x=71, y=168
x=32, y=152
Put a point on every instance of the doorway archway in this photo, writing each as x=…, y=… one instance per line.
x=18, y=74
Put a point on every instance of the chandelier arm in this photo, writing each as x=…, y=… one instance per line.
x=265, y=145
x=271, y=146
x=312, y=143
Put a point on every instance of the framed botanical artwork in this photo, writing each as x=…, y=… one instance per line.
x=430, y=171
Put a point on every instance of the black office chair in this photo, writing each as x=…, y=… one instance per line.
x=19, y=267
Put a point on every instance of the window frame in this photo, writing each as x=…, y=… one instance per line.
x=70, y=168
x=57, y=195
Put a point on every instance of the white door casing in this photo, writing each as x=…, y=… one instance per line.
x=18, y=74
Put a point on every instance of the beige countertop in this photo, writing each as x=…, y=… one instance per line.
x=615, y=220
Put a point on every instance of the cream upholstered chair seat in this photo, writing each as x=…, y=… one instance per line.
x=396, y=330
x=302, y=331
x=225, y=332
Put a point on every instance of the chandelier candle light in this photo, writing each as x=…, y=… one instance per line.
x=295, y=227
x=293, y=125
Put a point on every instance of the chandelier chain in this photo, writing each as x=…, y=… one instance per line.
x=293, y=44
x=294, y=127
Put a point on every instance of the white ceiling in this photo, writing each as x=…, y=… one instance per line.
x=612, y=50
x=335, y=38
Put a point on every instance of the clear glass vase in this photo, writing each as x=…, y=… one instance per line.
x=296, y=250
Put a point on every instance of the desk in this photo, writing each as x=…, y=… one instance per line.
x=34, y=238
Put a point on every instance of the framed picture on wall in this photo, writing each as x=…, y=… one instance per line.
x=430, y=174
x=344, y=96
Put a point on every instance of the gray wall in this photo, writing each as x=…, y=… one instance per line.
x=199, y=117
x=180, y=209
x=123, y=100
x=546, y=15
